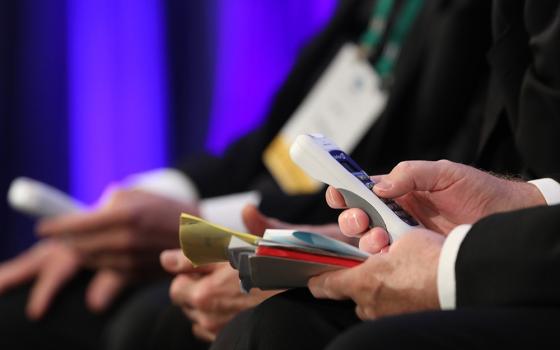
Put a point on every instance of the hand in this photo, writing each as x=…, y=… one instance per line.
x=209, y=297
x=125, y=235
x=401, y=280
x=52, y=264
x=441, y=195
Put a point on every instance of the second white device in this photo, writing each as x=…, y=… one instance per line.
x=38, y=199
x=321, y=159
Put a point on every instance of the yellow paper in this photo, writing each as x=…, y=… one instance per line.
x=205, y=243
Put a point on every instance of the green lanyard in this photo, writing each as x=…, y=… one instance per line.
x=378, y=24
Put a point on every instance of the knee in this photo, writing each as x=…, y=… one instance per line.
x=293, y=320
x=132, y=323
x=265, y=326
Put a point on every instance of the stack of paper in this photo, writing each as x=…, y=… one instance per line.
x=280, y=259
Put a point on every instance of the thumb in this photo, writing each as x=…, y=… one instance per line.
x=104, y=288
x=418, y=175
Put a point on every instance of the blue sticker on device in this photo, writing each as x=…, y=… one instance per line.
x=350, y=165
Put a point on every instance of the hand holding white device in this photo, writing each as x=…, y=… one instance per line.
x=323, y=160
x=39, y=199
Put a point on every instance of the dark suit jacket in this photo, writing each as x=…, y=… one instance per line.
x=511, y=259
x=433, y=110
x=520, y=130
x=514, y=258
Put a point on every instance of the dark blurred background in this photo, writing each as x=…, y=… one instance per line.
x=93, y=90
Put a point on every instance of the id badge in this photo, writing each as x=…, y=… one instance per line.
x=342, y=105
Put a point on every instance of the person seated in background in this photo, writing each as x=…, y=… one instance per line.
x=119, y=243
x=426, y=44
x=518, y=124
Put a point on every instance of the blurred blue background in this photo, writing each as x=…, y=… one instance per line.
x=93, y=90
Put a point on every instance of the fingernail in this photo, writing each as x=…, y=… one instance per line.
x=330, y=198
x=355, y=223
x=351, y=221
x=169, y=259
x=383, y=185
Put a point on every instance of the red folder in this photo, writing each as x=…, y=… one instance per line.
x=295, y=255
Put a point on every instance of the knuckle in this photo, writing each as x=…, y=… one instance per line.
x=444, y=162
x=201, y=299
x=403, y=166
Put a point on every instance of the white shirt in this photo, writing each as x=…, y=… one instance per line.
x=446, y=282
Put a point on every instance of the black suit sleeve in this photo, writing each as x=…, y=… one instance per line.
x=511, y=259
x=539, y=107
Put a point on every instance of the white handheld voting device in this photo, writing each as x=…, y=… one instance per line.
x=39, y=199
x=321, y=159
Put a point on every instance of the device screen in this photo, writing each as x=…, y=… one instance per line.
x=350, y=165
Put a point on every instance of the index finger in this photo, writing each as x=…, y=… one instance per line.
x=52, y=277
x=84, y=222
x=21, y=268
x=418, y=175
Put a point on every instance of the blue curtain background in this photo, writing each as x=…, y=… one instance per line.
x=92, y=90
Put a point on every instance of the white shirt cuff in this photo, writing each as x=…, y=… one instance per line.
x=226, y=210
x=446, y=282
x=167, y=182
x=550, y=190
